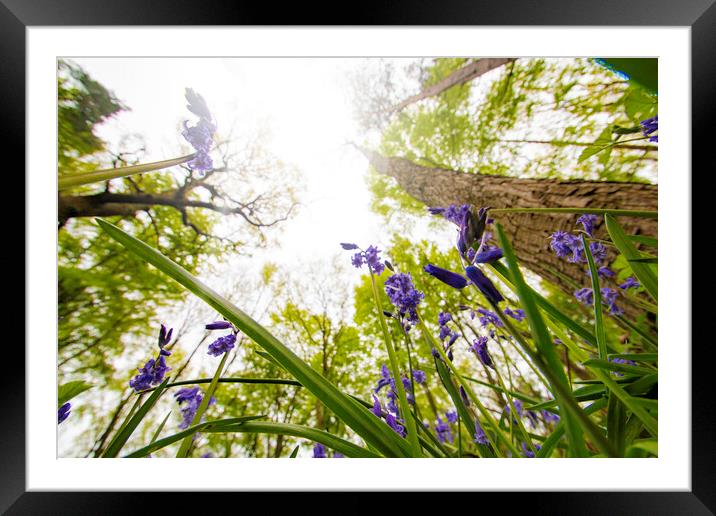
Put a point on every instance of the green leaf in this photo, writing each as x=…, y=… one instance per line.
x=642, y=71
x=163, y=443
x=69, y=390
x=603, y=142
x=639, y=105
x=616, y=367
x=354, y=415
x=597, y=293
x=347, y=448
x=642, y=271
x=548, y=362
x=126, y=431
x=294, y=452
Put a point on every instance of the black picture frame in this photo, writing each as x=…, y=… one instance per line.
x=699, y=15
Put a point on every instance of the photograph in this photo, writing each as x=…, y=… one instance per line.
x=357, y=257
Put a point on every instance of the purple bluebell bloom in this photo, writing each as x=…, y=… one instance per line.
x=219, y=325
x=368, y=257
x=189, y=398
x=549, y=417
x=338, y=455
x=489, y=255
x=623, y=361
x=152, y=373
x=451, y=416
x=403, y=294
x=443, y=431
x=480, y=437
x=599, y=252
x=348, y=247
x=588, y=221
x=649, y=126
x=566, y=245
x=630, y=282
x=529, y=453
x=63, y=412
x=444, y=318
x=609, y=298
x=394, y=423
x=518, y=314
x=479, y=347
x=222, y=345
x=377, y=407
x=483, y=283
x=602, y=272
x=444, y=332
x=419, y=376
x=585, y=295
x=489, y=317
x=200, y=136
x=455, y=213
x=518, y=407
x=319, y=451
x=385, y=378
x=450, y=278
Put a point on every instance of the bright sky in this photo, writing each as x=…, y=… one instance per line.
x=305, y=103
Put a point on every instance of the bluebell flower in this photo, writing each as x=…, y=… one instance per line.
x=219, y=325
x=623, y=361
x=599, y=252
x=319, y=451
x=338, y=455
x=480, y=436
x=566, y=245
x=444, y=318
x=489, y=255
x=630, y=282
x=518, y=407
x=489, y=317
x=518, y=314
x=602, y=272
x=368, y=257
x=585, y=295
x=529, y=453
x=403, y=295
x=222, y=345
x=588, y=221
x=443, y=430
x=444, y=332
x=479, y=347
x=63, y=412
x=385, y=378
x=200, y=136
x=189, y=398
x=609, y=298
x=419, y=376
x=377, y=407
x=483, y=284
x=450, y=278
x=394, y=423
x=451, y=416
x=650, y=126
x=549, y=417
x=151, y=374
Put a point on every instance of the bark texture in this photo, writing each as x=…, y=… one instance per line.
x=459, y=76
x=529, y=232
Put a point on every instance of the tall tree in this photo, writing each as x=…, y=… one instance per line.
x=473, y=69
x=529, y=231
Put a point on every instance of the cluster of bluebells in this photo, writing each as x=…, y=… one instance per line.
x=623, y=361
x=319, y=452
x=63, y=412
x=153, y=372
x=189, y=399
x=404, y=295
x=517, y=314
x=222, y=344
x=368, y=257
x=392, y=414
x=479, y=347
x=649, y=127
x=567, y=245
x=201, y=135
x=443, y=429
x=443, y=319
x=529, y=453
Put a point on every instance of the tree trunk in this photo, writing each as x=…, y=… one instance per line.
x=459, y=76
x=530, y=232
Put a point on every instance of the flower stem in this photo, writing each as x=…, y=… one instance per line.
x=98, y=176
x=410, y=424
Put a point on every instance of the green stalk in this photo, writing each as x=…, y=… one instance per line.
x=597, y=295
x=594, y=211
x=485, y=413
x=186, y=443
x=98, y=176
x=410, y=424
